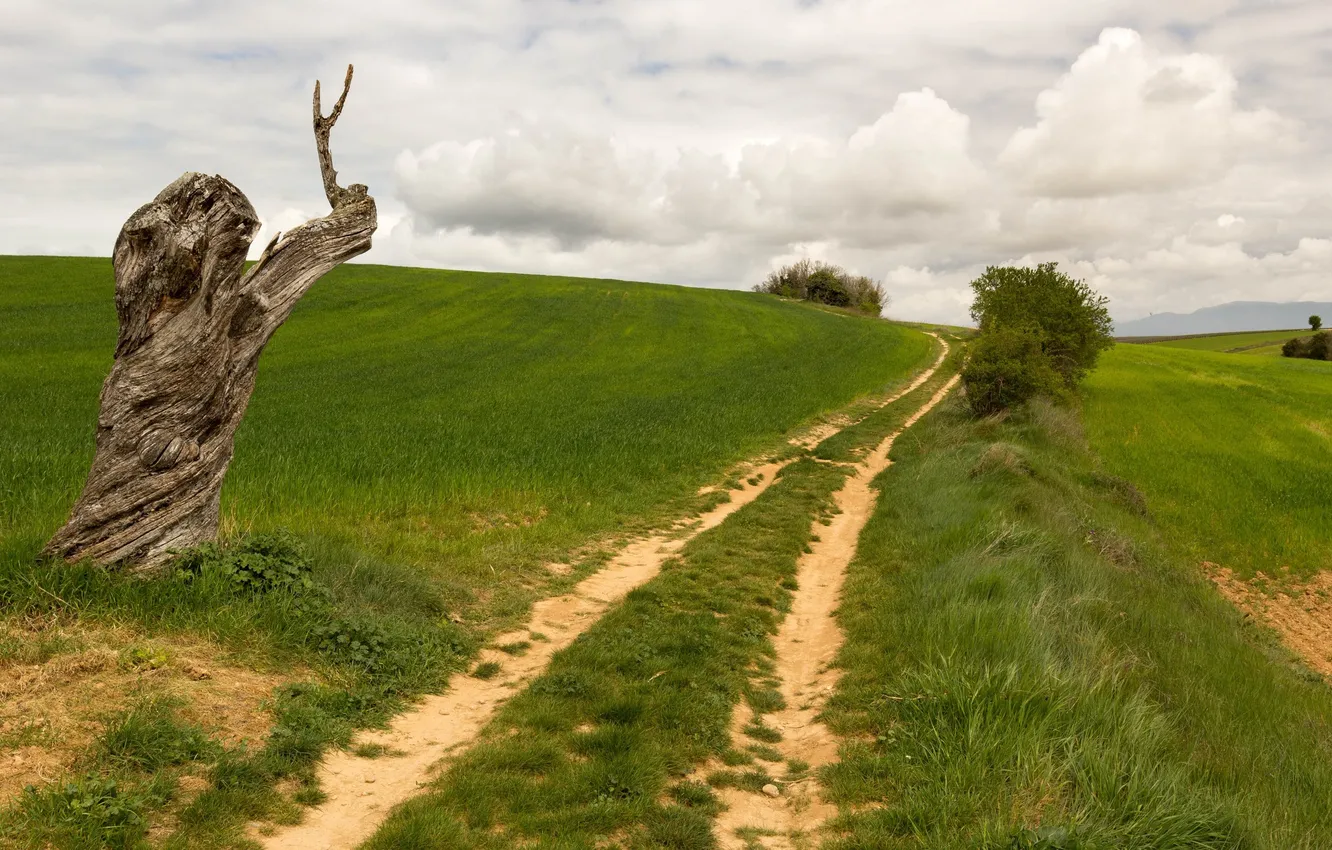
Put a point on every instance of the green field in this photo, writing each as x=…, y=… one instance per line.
x=1232, y=453
x=1265, y=341
x=473, y=425
x=1029, y=664
x=429, y=441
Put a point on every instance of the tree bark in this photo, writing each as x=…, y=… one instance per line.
x=193, y=323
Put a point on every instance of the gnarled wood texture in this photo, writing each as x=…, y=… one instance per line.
x=193, y=323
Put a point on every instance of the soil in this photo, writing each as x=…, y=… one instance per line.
x=807, y=645
x=1301, y=612
x=66, y=677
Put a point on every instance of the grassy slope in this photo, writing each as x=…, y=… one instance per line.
x=1229, y=342
x=474, y=425
x=1232, y=453
x=604, y=749
x=1029, y=667
x=433, y=437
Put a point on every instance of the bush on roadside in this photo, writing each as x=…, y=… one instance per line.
x=1041, y=332
x=1007, y=367
x=1070, y=319
x=825, y=283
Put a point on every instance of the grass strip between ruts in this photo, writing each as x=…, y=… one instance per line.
x=605, y=746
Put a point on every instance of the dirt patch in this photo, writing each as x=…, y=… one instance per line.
x=1301, y=612
x=60, y=679
x=807, y=644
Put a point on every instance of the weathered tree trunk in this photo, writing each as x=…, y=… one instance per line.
x=192, y=326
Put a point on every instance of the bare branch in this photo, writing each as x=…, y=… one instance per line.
x=337, y=196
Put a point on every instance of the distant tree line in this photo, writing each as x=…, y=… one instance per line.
x=825, y=283
x=1041, y=332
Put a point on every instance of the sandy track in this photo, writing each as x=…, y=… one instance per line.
x=361, y=791
x=807, y=645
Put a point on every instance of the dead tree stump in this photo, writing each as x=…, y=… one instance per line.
x=193, y=323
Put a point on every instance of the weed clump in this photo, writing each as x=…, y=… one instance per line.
x=397, y=655
x=90, y=812
x=149, y=737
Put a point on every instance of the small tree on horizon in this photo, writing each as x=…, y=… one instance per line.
x=1316, y=322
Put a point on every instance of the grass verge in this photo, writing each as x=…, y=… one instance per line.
x=1027, y=666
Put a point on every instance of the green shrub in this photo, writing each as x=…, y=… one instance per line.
x=1008, y=367
x=825, y=283
x=825, y=286
x=257, y=565
x=1071, y=319
x=1316, y=323
x=1316, y=347
x=1320, y=347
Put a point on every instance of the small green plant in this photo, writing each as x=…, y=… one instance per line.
x=374, y=751
x=760, y=732
x=143, y=657
x=258, y=564
x=518, y=647
x=765, y=753
x=693, y=794
x=149, y=737
x=90, y=812
x=1316, y=323
x=487, y=670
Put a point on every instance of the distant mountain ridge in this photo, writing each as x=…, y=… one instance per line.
x=1234, y=316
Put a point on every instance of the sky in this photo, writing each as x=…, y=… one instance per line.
x=1173, y=153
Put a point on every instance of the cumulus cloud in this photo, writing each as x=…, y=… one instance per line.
x=578, y=188
x=1127, y=118
x=1174, y=165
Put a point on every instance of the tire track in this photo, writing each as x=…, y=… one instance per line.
x=361, y=792
x=807, y=644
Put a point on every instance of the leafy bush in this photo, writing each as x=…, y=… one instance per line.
x=1069, y=319
x=1008, y=366
x=399, y=654
x=1316, y=347
x=825, y=283
x=1316, y=323
x=258, y=565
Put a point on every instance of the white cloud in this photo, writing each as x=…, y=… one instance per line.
x=577, y=188
x=694, y=142
x=1127, y=118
